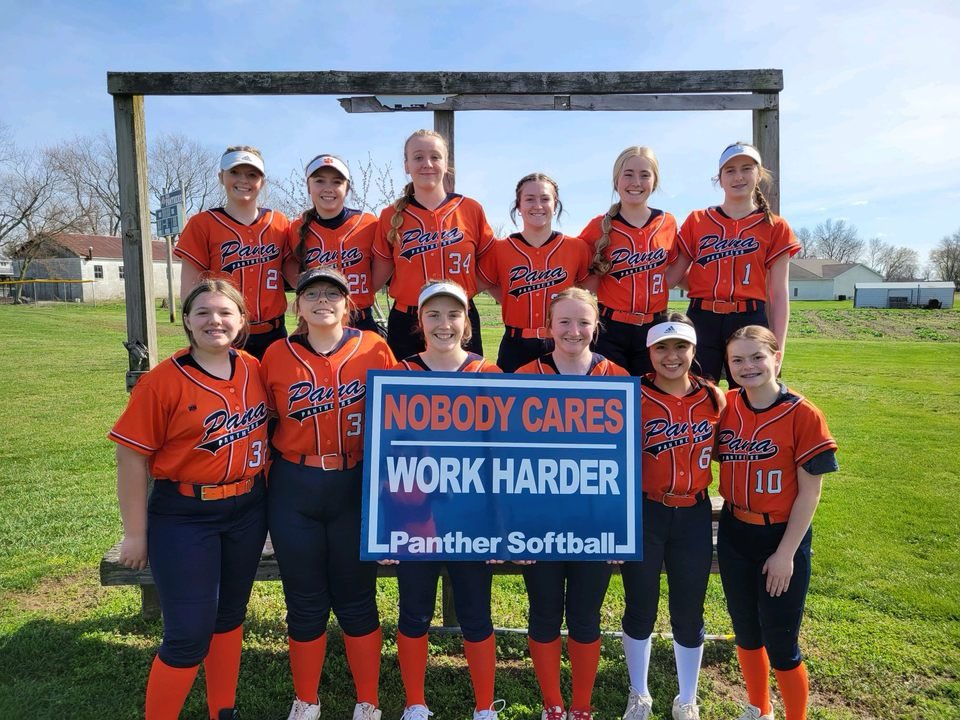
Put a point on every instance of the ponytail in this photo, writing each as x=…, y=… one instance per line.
x=300, y=251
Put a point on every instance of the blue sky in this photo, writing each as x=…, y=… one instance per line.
x=870, y=113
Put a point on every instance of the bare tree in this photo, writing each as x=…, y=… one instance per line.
x=175, y=161
x=805, y=237
x=837, y=241
x=877, y=251
x=902, y=264
x=287, y=194
x=89, y=169
x=945, y=259
x=374, y=185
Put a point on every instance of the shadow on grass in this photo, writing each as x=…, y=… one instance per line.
x=97, y=668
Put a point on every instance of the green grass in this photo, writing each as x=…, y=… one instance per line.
x=881, y=634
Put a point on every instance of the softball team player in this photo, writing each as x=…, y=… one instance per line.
x=330, y=234
x=530, y=267
x=679, y=413
x=196, y=424
x=633, y=268
x=443, y=308
x=243, y=242
x=574, y=588
x=774, y=447
x=316, y=382
x=739, y=260
x=428, y=234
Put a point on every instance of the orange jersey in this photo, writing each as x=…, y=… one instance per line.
x=344, y=243
x=759, y=451
x=678, y=437
x=545, y=365
x=251, y=256
x=321, y=398
x=531, y=276
x=473, y=363
x=636, y=282
x=194, y=427
x=441, y=244
x=730, y=258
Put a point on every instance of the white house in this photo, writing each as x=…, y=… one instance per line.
x=820, y=279
x=89, y=268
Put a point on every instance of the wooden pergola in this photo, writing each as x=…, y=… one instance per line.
x=444, y=94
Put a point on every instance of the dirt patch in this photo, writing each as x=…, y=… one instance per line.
x=871, y=323
x=61, y=596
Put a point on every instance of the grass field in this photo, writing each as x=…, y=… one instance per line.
x=881, y=634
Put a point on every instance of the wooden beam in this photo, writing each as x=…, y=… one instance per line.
x=135, y=234
x=443, y=124
x=344, y=82
x=766, y=138
x=626, y=103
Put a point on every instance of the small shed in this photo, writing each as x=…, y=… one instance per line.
x=904, y=295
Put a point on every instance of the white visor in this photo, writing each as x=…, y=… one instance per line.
x=444, y=288
x=241, y=157
x=671, y=331
x=736, y=151
x=327, y=161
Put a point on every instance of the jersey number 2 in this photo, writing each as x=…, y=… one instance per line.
x=272, y=280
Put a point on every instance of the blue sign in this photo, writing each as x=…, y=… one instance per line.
x=513, y=467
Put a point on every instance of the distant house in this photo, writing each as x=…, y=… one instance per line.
x=95, y=259
x=904, y=295
x=820, y=279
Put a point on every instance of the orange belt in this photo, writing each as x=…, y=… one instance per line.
x=527, y=333
x=756, y=518
x=673, y=500
x=220, y=491
x=408, y=309
x=725, y=307
x=630, y=318
x=264, y=326
x=330, y=461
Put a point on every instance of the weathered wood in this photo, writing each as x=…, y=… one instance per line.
x=766, y=138
x=443, y=124
x=624, y=103
x=344, y=82
x=135, y=232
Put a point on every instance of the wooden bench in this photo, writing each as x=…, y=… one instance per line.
x=113, y=573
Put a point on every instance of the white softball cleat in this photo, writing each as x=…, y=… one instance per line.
x=415, y=712
x=752, y=712
x=685, y=711
x=304, y=711
x=639, y=706
x=365, y=711
x=490, y=713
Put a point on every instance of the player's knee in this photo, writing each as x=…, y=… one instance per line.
x=638, y=625
x=782, y=648
x=475, y=626
x=303, y=625
x=184, y=652
x=544, y=627
x=584, y=628
x=687, y=633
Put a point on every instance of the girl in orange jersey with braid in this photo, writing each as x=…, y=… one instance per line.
x=574, y=588
x=529, y=267
x=428, y=234
x=316, y=382
x=738, y=254
x=774, y=447
x=197, y=424
x=243, y=242
x=633, y=269
x=443, y=308
x=330, y=234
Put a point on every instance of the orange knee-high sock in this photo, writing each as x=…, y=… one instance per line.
x=755, y=666
x=363, y=657
x=546, y=666
x=482, y=662
x=584, y=659
x=221, y=667
x=794, y=689
x=167, y=688
x=412, y=655
x=306, y=665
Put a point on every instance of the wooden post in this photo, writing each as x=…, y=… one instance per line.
x=443, y=124
x=766, y=138
x=135, y=234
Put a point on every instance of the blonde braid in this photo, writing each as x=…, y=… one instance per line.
x=601, y=264
x=307, y=217
x=398, y=207
x=761, y=201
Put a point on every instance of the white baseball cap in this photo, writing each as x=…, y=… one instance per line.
x=671, y=331
x=444, y=288
x=736, y=150
x=241, y=157
x=327, y=161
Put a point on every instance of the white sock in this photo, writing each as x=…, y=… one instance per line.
x=688, y=670
x=637, y=653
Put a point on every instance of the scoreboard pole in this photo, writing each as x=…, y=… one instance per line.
x=169, y=224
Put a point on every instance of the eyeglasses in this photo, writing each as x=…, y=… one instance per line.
x=330, y=294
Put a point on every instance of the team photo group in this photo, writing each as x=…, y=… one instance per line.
x=255, y=427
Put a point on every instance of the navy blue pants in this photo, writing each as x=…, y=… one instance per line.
x=517, y=352
x=257, y=345
x=758, y=619
x=575, y=587
x=713, y=329
x=204, y=556
x=626, y=344
x=364, y=320
x=681, y=539
x=404, y=339
x=417, y=585
x=314, y=518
